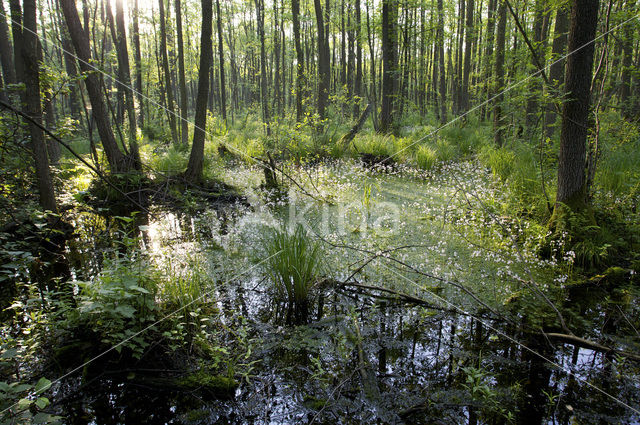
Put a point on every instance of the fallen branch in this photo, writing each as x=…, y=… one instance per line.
x=585, y=343
x=347, y=138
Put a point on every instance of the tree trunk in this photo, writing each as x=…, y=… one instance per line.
x=390, y=63
x=357, y=88
x=441, y=70
x=16, y=32
x=295, y=14
x=31, y=76
x=167, y=73
x=575, y=110
x=6, y=52
x=124, y=74
x=182, y=84
x=556, y=71
x=488, y=52
x=324, y=68
x=627, y=59
x=535, y=85
x=118, y=162
x=498, y=121
x=138, y=62
x=264, y=94
x=196, y=158
x=468, y=48
x=223, y=94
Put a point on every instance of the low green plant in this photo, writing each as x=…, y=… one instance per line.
x=426, y=157
x=294, y=267
x=116, y=306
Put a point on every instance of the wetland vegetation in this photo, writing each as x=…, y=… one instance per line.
x=348, y=211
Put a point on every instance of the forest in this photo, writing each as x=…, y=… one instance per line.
x=320, y=212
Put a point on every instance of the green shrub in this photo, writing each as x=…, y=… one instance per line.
x=115, y=306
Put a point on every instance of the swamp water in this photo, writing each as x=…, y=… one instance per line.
x=421, y=351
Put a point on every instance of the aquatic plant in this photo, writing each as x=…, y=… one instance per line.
x=295, y=268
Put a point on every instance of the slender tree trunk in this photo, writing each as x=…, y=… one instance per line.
x=223, y=93
x=196, y=158
x=373, y=97
x=182, y=84
x=488, y=52
x=138, y=62
x=468, y=48
x=443, y=83
x=575, y=110
x=357, y=88
x=324, y=67
x=264, y=94
x=6, y=51
x=556, y=71
x=117, y=160
x=16, y=32
x=124, y=74
x=390, y=63
x=535, y=85
x=29, y=44
x=627, y=59
x=167, y=73
x=498, y=120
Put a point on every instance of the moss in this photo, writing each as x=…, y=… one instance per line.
x=314, y=403
x=214, y=386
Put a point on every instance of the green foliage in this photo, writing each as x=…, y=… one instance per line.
x=500, y=160
x=618, y=170
x=426, y=157
x=172, y=160
x=22, y=402
x=115, y=306
x=295, y=268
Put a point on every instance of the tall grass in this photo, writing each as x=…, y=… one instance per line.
x=295, y=268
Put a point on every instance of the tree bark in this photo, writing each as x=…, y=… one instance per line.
x=441, y=70
x=498, y=121
x=535, y=85
x=488, y=52
x=390, y=63
x=182, y=84
x=223, y=94
x=6, y=51
x=34, y=110
x=118, y=162
x=196, y=158
x=124, y=74
x=357, y=88
x=300, y=83
x=16, y=32
x=556, y=71
x=167, y=73
x=468, y=48
x=138, y=62
x=627, y=60
x=264, y=94
x=575, y=110
x=324, y=68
